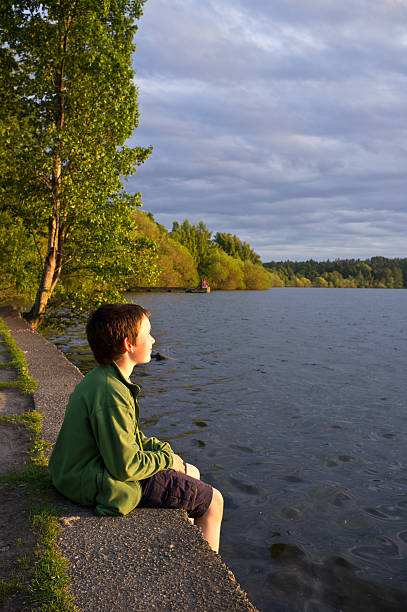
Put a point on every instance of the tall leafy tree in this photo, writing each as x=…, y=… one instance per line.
x=175, y=264
x=197, y=239
x=232, y=245
x=67, y=106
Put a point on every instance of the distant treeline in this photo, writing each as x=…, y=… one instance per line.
x=378, y=272
x=191, y=252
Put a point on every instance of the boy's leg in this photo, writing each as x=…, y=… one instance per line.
x=193, y=471
x=211, y=521
x=171, y=489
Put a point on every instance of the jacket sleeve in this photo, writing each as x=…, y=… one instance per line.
x=153, y=444
x=113, y=426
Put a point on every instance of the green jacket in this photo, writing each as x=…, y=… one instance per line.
x=97, y=459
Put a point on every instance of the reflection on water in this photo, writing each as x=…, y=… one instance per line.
x=292, y=403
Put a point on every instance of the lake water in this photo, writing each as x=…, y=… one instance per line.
x=292, y=403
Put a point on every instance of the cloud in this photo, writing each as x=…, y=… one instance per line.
x=281, y=122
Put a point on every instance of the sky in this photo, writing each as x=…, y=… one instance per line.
x=281, y=121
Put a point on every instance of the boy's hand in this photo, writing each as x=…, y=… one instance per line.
x=178, y=464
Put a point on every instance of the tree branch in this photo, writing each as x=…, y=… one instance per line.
x=38, y=249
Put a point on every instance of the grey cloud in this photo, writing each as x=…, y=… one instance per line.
x=277, y=121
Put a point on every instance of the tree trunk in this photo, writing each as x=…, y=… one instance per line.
x=53, y=260
x=56, y=225
x=50, y=273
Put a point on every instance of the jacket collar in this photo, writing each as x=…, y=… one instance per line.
x=119, y=374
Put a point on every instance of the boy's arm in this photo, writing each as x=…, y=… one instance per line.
x=113, y=427
x=154, y=444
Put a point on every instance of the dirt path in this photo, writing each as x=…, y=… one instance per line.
x=16, y=538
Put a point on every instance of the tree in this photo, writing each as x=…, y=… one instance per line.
x=232, y=245
x=175, y=265
x=398, y=277
x=67, y=106
x=255, y=276
x=224, y=271
x=16, y=262
x=197, y=239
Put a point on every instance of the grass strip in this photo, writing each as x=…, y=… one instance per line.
x=48, y=589
x=24, y=381
x=9, y=587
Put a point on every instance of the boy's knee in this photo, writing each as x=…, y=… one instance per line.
x=217, y=501
x=193, y=471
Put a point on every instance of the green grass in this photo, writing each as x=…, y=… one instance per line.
x=24, y=381
x=48, y=589
x=32, y=422
x=10, y=586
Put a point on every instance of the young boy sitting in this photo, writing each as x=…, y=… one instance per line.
x=101, y=458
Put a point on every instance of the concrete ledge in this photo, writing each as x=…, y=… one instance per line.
x=149, y=559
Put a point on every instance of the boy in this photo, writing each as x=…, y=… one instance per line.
x=101, y=458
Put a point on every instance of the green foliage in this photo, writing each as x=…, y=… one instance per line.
x=255, y=276
x=104, y=263
x=10, y=586
x=231, y=273
x=174, y=264
x=177, y=268
x=48, y=589
x=224, y=271
x=197, y=239
x=24, y=381
x=234, y=247
x=19, y=259
x=378, y=272
x=225, y=262
x=188, y=253
x=275, y=280
x=67, y=106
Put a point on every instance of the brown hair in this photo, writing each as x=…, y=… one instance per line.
x=109, y=325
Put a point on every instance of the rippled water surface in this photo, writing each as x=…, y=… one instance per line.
x=292, y=403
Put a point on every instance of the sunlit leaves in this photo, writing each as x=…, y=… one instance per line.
x=235, y=247
x=67, y=105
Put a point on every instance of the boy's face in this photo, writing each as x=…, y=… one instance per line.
x=141, y=351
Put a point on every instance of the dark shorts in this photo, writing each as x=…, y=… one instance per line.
x=171, y=489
